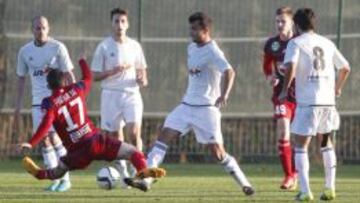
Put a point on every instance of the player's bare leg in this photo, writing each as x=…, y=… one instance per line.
x=285, y=154
x=302, y=166
x=231, y=166
x=60, y=150
x=133, y=131
x=120, y=164
x=329, y=160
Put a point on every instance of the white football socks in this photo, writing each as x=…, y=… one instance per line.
x=156, y=154
x=50, y=158
x=302, y=166
x=329, y=159
x=232, y=167
x=60, y=152
x=155, y=157
x=121, y=166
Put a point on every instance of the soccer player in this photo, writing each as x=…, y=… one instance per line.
x=65, y=109
x=200, y=107
x=274, y=52
x=311, y=59
x=34, y=58
x=120, y=64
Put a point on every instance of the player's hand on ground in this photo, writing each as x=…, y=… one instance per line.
x=24, y=148
x=221, y=102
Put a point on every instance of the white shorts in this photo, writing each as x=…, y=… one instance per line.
x=205, y=121
x=309, y=121
x=119, y=108
x=37, y=116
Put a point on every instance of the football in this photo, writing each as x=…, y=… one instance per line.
x=108, y=178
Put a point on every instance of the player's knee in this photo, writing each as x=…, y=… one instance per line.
x=126, y=150
x=326, y=140
x=54, y=138
x=47, y=143
x=217, y=151
x=283, y=128
x=134, y=132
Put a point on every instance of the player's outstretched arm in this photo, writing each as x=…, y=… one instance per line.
x=87, y=76
x=69, y=77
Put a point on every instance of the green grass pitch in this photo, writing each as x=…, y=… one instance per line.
x=184, y=183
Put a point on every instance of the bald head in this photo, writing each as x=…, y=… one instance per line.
x=40, y=29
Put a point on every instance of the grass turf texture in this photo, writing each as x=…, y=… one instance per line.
x=184, y=183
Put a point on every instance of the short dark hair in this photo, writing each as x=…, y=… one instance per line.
x=287, y=10
x=118, y=11
x=203, y=19
x=304, y=18
x=55, y=78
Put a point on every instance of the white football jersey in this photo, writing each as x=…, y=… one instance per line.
x=110, y=54
x=316, y=59
x=205, y=66
x=34, y=60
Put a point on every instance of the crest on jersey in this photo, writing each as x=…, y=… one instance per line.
x=112, y=54
x=275, y=46
x=31, y=58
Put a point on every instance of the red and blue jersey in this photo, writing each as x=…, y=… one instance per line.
x=66, y=110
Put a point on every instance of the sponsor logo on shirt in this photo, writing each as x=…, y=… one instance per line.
x=194, y=72
x=275, y=46
x=41, y=72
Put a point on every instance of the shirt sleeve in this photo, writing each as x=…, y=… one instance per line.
x=64, y=59
x=219, y=61
x=97, y=64
x=292, y=53
x=339, y=60
x=140, y=62
x=22, y=68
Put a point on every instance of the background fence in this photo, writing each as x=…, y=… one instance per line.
x=251, y=138
x=240, y=27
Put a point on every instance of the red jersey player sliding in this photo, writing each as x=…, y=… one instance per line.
x=274, y=52
x=66, y=111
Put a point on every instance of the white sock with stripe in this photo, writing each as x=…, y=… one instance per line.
x=302, y=167
x=155, y=157
x=60, y=152
x=232, y=167
x=329, y=159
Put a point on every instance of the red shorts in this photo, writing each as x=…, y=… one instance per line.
x=284, y=110
x=96, y=147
